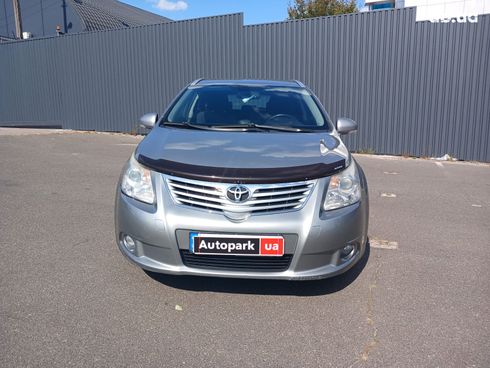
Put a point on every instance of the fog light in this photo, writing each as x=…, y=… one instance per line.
x=347, y=252
x=129, y=243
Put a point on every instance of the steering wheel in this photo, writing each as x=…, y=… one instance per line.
x=277, y=116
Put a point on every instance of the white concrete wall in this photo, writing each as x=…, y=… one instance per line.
x=443, y=9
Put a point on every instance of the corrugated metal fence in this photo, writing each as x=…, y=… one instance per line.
x=414, y=88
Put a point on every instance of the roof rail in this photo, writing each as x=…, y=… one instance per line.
x=299, y=83
x=196, y=81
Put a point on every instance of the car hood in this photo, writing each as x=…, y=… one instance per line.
x=245, y=157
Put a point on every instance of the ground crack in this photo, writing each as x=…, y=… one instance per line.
x=370, y=319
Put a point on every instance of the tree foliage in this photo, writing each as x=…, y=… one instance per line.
x=301, y=9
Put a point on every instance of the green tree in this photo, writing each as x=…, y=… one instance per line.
x=301, y=9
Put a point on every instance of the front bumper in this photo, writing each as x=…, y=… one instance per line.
x=314, y=238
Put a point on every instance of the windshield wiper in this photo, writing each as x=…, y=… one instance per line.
x=249, y=126
x=280, y=128
x=187, y=125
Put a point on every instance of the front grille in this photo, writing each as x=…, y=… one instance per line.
x=264, y=198
x=236, y=263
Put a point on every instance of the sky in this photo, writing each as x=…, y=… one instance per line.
x=255, y=11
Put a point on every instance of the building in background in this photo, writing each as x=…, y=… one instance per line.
x=41, y=17
x=435, y=10
x=371, y=5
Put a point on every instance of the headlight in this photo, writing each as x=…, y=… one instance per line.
x=136, y=182
x=344, y=189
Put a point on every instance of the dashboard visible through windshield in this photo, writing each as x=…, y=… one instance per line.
x=224, y=106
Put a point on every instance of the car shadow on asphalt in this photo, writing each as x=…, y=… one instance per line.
x=264, y=287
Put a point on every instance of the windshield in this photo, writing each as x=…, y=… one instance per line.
x=248, y=106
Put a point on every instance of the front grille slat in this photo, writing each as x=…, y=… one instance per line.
x=237, y=263
x=268, y=207
x=272, y=200
x=190, y=188
x=201, y=204
x=264, y=193
x=198, y=196
x=264, y=198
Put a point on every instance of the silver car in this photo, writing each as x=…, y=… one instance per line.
x=243, y=178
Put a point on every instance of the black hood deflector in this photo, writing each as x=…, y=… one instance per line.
x=243, y=175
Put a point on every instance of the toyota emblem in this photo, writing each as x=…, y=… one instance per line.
x=238, y=193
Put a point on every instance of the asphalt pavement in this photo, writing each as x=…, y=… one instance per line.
x=419, y=298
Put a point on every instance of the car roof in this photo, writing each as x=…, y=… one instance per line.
x=247, y=82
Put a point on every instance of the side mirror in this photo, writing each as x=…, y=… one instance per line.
x=346, y=126
x=149, y=120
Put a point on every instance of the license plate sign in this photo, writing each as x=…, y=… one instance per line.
x=240, y=245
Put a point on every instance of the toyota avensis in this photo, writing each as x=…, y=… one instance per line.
x=243, y=178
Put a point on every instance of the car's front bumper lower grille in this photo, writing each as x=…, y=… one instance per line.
x=236, y=263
